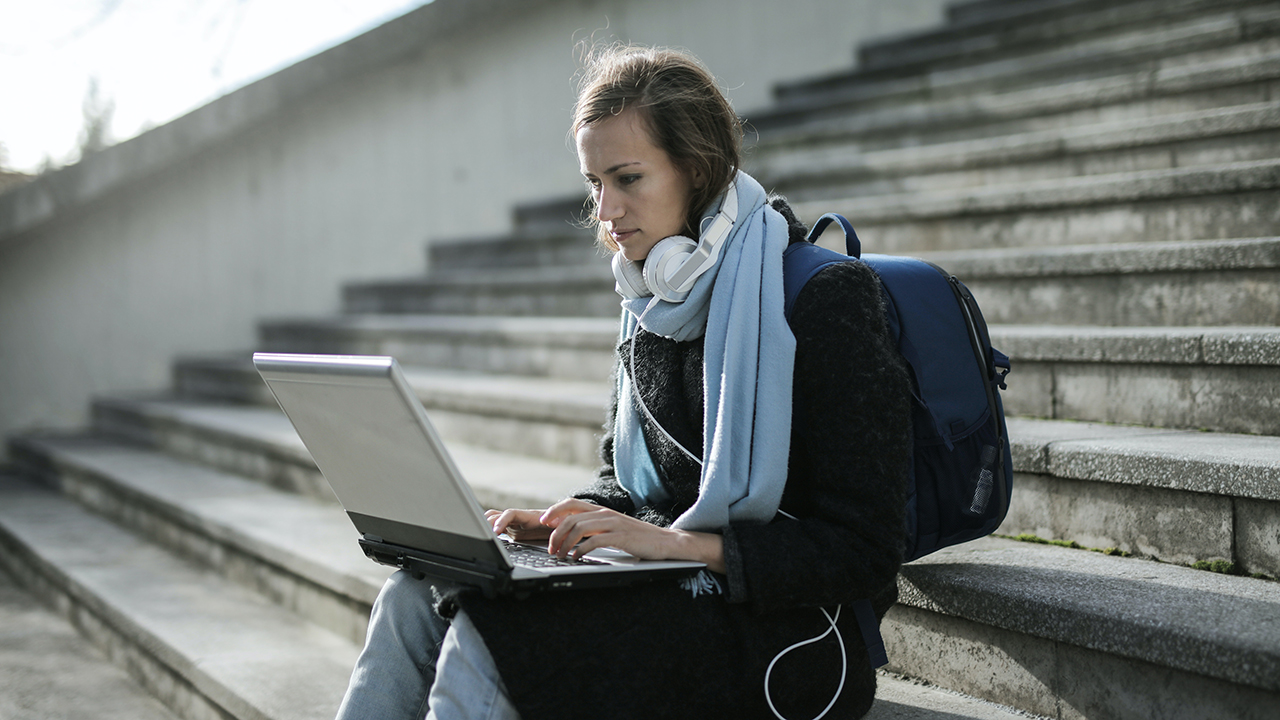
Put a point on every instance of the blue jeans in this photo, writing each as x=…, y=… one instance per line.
x=416, y=664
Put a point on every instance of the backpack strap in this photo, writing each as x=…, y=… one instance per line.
x=852, y=246
x=870, y=627
x=802, y=260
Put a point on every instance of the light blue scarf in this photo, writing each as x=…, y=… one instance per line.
x=748, y=357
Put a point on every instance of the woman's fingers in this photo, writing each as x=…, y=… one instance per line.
x=523, y=525
x=603, y=527
x=555, y=514
x=571, y=529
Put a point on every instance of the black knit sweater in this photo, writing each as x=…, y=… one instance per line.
x=654, y=650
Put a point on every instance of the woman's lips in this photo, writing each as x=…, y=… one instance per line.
x=620, y=236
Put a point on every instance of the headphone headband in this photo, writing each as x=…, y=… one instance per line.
x=688, y=259
x=708, y=250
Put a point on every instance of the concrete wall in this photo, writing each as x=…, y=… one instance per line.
x=342, y=168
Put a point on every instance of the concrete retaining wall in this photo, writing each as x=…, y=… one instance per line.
x=341, y=168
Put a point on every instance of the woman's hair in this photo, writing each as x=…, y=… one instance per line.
x=679, y=103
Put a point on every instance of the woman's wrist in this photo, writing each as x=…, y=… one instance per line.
x=702, y=547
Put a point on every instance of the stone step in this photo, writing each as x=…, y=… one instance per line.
x=547, y=290
x=205, y=647
x=1070, y=633
x=846, y=168
x=526, y=248
x=558, y=420
x=1179, y=496
x=47, y=671
x=228, y=377
x=1077, y=481
x=1023, y=27
x=538, y=399
x=258, y=442
x=1224, y=379
x=1240, y=74
x=902, y=698
x=551, y=217
x=271, y=538
x=971, y=11
x=565, y=348
x=1218, y=378
x=1095, y=57
x=1210, y=282
x=298, y=552
x=1199, y=203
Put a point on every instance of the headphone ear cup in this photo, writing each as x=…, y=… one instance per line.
x=629, y=278
x=663, y=261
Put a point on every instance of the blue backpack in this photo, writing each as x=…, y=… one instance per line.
x=961, y=460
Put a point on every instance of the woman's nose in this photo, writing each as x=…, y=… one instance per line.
x=607, y=209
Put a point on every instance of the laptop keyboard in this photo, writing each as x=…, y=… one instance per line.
x=540, y=558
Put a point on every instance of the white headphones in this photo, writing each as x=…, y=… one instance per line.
x=675, y=263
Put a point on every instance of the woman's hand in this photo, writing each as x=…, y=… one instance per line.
x=522, y=525
x=578, y=527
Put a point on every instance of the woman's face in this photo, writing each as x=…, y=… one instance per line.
x=641, y=196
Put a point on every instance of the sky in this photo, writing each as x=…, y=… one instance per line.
x=153, y=60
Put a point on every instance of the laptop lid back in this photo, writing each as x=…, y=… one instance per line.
x=371, y=438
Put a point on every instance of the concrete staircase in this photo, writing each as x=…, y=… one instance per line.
x=1105, y=176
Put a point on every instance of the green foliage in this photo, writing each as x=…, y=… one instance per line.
x=1224, y=567
x=1028, y=537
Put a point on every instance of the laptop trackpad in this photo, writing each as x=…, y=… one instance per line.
x=613, y=556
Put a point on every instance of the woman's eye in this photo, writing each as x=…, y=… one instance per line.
x=628, y=179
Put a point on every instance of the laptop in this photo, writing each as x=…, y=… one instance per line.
x=375, y=445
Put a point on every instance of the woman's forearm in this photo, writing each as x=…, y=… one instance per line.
x=702, y=547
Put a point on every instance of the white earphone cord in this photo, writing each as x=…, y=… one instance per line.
x=640, y=396
x=844, y=664
x=844, y=661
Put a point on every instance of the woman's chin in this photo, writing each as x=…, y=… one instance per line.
x=635, y=254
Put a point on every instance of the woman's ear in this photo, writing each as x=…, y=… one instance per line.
x=697, y=179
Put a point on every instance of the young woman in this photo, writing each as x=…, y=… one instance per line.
x=775, y=452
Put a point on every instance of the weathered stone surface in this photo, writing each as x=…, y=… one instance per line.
x=193, y=641
x=259, y=443
x=1113, y=259
x=573, y=291
x=556, y=420
x=1203, y=298
x=856, y=167
x=1258, y=536
x=985, y=29
x=1204, y=378
x=1097, y=686
x=1174, y=617
x=1056, y=679
x=1171, y=525
x=569, y=348
x=899, y=698
x=986, y=662
x=1230, y=465
x=48, y=672
x=998, y=221
x=1120, y=47
x=299, y=553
